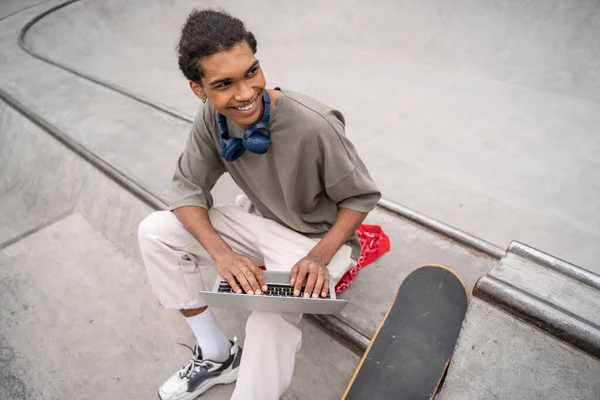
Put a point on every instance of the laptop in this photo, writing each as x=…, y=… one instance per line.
x=278, y=298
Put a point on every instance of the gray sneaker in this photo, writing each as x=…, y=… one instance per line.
x=197, y=375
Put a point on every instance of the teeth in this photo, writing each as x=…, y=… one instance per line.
x=247, y=107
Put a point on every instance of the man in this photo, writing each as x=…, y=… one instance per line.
x=306, y=192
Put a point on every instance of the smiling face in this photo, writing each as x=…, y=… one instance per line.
x=234, y=83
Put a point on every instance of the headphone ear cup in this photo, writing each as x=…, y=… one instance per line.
x=257, y=143
x=232, y=149
x=258, y=140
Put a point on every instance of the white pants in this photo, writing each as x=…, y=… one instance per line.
x=173, y=258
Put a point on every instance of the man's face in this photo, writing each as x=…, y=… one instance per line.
x=234, y=83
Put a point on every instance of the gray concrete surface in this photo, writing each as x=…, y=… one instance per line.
x=138, y=140
x=42, y=181
x=481, y=114
x=505, y=359
x=33, y=189
x=8, y=7
x=477, y=140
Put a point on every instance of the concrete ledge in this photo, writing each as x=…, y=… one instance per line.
x=341, y=331
x=437, y=226
x=557, y=297
x=533, y=310
x=532, y=331
x=558, y=265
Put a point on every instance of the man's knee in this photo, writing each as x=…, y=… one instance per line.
x=268, y=320
x=155, y=225
x=275, y=329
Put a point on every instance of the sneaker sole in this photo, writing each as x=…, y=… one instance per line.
x=223, y=379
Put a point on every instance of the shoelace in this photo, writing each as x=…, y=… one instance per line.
x=194, y=365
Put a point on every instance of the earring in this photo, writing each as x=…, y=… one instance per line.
x=204, y=99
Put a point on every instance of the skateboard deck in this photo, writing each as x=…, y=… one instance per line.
x=410, y=351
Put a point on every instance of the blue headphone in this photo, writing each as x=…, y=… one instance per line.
x=257, y=138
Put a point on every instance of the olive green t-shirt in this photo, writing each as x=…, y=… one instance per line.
x=308, y=173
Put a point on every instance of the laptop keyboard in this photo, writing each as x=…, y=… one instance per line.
x=273, y=290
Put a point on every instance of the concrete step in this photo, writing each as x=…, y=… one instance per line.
x=531, y=332
x=561, y=285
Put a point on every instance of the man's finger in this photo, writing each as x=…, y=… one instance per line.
x=299, y=280
x=232, y=282
x=258, y=275
x=310, y=282
x=261, y=279
x=325, y=288
x=319, y=284
x=243, y=281
x=293, y=274
x=251, y=279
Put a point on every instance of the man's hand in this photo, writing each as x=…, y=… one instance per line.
x=315, y=263
x=235, y=266
x=315, y=272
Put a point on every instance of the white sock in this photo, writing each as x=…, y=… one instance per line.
x=214, y=344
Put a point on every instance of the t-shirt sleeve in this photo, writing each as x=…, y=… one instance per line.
x=346, y=178
x=197, y=170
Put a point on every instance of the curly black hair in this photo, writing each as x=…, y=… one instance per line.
x=205, y=33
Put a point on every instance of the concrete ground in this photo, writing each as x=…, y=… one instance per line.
x=482, y=116
x=509, y=359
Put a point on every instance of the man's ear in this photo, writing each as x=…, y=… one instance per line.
x=198, y=91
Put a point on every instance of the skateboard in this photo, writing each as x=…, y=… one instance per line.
x=412, y=347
